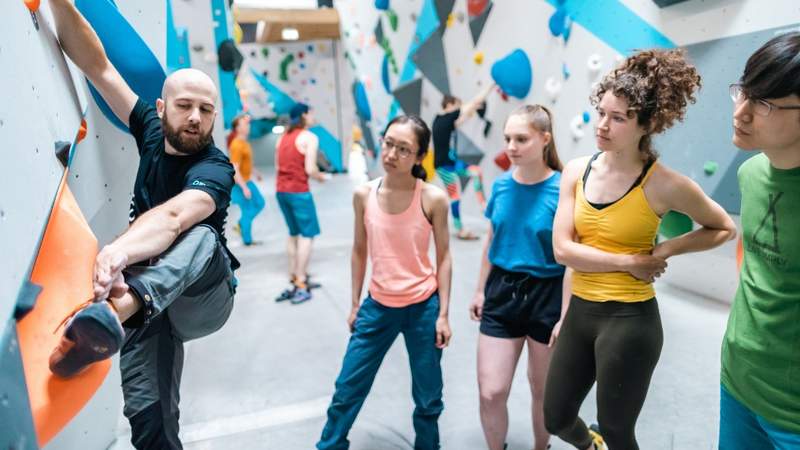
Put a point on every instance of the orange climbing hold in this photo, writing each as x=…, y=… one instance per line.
x=81, y=131
x=32, y=5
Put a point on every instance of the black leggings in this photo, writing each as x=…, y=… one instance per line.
x=615, y=343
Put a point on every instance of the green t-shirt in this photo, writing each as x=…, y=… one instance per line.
x=761, y=348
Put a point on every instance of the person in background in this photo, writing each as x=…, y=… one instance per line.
x=245, y=192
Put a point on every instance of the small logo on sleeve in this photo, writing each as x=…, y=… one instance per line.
x=198, y=183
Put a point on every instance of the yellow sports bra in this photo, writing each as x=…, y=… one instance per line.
x=626, y=226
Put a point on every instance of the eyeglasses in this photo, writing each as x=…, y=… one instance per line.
x=402, y=151
x=760, y=106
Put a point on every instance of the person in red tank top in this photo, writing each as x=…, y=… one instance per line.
x=295, y=163
x=395, y=217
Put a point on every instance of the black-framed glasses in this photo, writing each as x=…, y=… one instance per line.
x=760, y=106
x=402, y=150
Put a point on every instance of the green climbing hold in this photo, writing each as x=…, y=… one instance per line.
x=392, y=16
x=265, y=52
x=284, y=76
x=675, y=224
x=710, y=167
x=389, y=54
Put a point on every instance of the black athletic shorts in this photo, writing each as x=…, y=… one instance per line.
x=519, y=304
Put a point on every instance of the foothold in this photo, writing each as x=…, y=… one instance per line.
x=302, y=65
x=513, y=74
x=413, y=17
x=460, y=17
x=710, y=167
x=265, y=52
x=553, y=87
x=565, y=71
x=450, y=20
x=576, y=127
x=197, y=47
x=478, y=58
x=310, y=48
x=586, y=117
x=265, y=73
x=284, y=75
x=382, y=5
x=62, y=152
x=300, y=55
x=252, y=53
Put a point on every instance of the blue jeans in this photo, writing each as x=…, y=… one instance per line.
x=376, y=328
x=742, y=429
x=250, y=208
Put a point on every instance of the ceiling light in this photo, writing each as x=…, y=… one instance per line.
x=278, y=129
x=290, y=34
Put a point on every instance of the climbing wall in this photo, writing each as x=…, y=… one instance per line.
x=276, y=76
x=552, y=52
x=67, y=186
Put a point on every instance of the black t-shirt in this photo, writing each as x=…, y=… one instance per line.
x=162, y=176
x=443, y=133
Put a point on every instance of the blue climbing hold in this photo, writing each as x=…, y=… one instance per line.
x=558, y=22
x=513, y=74
x=310, y=48
x=586, y=117
x=126, y=50
x=565, y=71
x=385, y=75
x=360, y=99
x=281, y=103
x=382, y=5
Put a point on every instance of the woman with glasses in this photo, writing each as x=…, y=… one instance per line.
x=760, y=398
x=609, y=211
x=519, y=296
x=395, y=217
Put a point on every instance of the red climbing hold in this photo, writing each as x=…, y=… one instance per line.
x=476, y=7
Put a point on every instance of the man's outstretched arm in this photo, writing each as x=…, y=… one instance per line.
x=81, y=44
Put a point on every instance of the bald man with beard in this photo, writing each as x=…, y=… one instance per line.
x=168, y=277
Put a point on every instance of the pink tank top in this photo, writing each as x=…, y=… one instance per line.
x=398, y=245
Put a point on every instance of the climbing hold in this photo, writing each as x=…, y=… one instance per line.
x=81, y=131
x=558, y=22
x=567, y=29
x=265, y=52
x=450, y=19
x=710, y=167
x=594, y=64
x=513, y=74
x=586, y=117
x=674, y=224
x=310, y=48
x=478, y=58
x=237, y=33
x=382, y=5
x=229, y=57
x=576, y=127
x=385, y=74
x=300, y=55
x=360, y=99
x=476, y=7
x=413, y=17
x=284, y=75
x=565, y=71
x=302, y=65
x=62, y=152
x=460, y=17
x=33, y=5
x=553, y=87
x=392, y=16
x=313, y=81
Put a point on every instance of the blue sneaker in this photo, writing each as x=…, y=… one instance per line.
x=287, y=294
x=93, y=333
x=301, y=296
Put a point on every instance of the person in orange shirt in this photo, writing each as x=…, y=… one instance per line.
x=245, y=192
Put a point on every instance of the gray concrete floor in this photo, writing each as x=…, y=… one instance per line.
x=264, y=380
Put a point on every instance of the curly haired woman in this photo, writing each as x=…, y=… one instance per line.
x=609, y=211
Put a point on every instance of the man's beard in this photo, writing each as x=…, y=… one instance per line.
x=187, y=145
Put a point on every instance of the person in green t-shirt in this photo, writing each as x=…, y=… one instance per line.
x=760, y=398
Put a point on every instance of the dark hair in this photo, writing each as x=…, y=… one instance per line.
x=658, y=85
x=541, y=119
x=234, y=123
x=773, y=71
x=423, y=135
x=448, y=99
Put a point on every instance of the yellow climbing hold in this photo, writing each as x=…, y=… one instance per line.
x=478, y=58
x=427, y=164
x=450, y=19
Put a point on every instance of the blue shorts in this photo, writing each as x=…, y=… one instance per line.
x=299, y=213
x=742, y=429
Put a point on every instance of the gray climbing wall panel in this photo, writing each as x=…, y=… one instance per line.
x=706, y=133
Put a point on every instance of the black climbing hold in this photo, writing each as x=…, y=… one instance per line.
x=62, y=152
